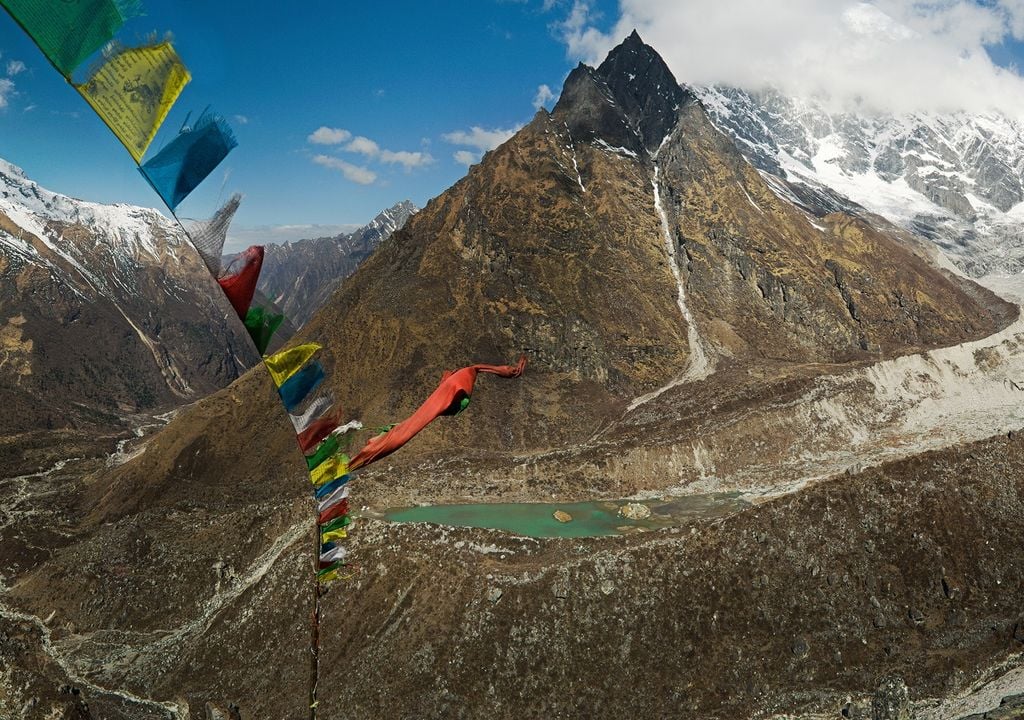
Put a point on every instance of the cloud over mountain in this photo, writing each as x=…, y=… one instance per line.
x=886, y=55
x=478, y=138
x=369, y=149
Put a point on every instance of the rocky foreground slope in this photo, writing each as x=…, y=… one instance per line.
x=801, y=604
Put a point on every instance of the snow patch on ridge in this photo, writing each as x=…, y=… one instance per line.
x=956, y=179
x=125, y=229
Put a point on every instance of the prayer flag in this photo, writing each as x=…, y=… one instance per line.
x=330, y=470
x=333, y=499
x=323, y=451
x=261, y=326
x=240, y=286
x=188, y=159
x=335, y=554
x=335, y=511
x=208, y=236
x=69, y=32
x=316, y=408
x=288, y=362
x=448, y=399
x=317, y=431
x=325, y=490
x=337, y=534
x=133, y=90
x=298, y=387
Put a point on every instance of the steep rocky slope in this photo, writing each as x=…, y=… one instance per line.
x=104, y=312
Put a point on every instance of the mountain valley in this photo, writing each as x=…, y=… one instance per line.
x=697, y=319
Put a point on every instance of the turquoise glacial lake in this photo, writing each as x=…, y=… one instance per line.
x=589, y=519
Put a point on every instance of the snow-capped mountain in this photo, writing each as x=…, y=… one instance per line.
x=301, y=276
x=103, y=307
x=957, y=179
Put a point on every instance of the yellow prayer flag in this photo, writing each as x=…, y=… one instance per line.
x=331, y=576
x=329, y=470
x=288, y=362
x=327, y=537
x=133, y=90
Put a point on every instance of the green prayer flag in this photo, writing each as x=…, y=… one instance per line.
x=69, y=31
x=329, y=569
x=324, y=450
x=262, y=325
x=336, y=524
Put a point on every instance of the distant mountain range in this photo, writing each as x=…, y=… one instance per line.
x=957, y=179
x=301, y=276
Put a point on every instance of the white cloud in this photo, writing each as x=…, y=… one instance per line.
x=465, y=157
x=479, y=138
x=1014, y=10
x=887, y=55
x=244, y=120
x=363, y=146
x=543, y=97
x=372, y=150
x=406, y=159
x=329, y=136
x=368, y=148
x=355, y=173
x=6, y=92
x=15, y=67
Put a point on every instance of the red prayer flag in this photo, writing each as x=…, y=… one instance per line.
x=240, y=286
x=316, y=433
x=335, y=511
x=445, y=400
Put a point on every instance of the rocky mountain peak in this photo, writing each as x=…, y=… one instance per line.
x=391, y=219
x=631, y=100
x=104, y=312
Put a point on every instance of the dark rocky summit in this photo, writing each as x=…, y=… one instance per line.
x=630, y=101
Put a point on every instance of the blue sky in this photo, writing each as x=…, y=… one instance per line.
x=403, y=75
x=404, y=93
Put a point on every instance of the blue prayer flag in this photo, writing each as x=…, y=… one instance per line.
x=296, y=388
x=331, y=487
x=188, y=159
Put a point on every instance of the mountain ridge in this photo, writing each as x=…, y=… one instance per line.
x=300, y=276
x=105, y=307
x=956, y=178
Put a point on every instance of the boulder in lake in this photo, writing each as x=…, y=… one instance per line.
x=635, y=511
